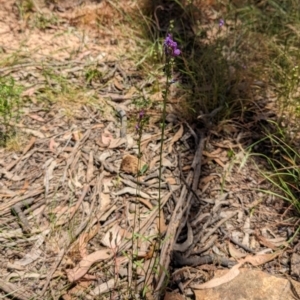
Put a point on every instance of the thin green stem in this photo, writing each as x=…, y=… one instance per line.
x=136, y=220
x=158, y=241
x=166, y=93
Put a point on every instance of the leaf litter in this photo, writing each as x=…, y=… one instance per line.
x=74, y=202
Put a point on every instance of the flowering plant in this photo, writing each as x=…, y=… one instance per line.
x=170, y=46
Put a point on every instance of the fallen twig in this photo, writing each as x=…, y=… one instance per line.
x=5, y=208
x=17, y=210
x=177, y=216
x=215, y=228
x=236, y=242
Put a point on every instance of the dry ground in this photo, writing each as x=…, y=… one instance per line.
x=72, y=208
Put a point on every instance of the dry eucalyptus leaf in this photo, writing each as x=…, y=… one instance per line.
x=35, y=252
x=130, y=141
x=234, y=252
x=29, y=92
x=11, y=234
x=205, y=180
x=53, y=145
x=107, y=185
x=49, y=175
x=131, y=92
x=105, y=201
x=115, y=143
x=256, y=260
x=90, y=168
x=30, y=257
x=230, y=275
x=132, y=191
x=29, y=145
x=114, y=236
x=22, y=275
x=77, y=291
x=261, y=259
x=84, y=239
x=118, y=84
x=278, y=242
x=106, y=137
x=167, y=163
x=67, y=135
x=103, y=288
x=153, y=162
x=171, y=180
x=107, y=213
x=105, y=154
x=263, y=241
x=63, y=214
x=36, y=117
x=84, y=265
x=10, y=175
x=176, y=137
x=34, y=133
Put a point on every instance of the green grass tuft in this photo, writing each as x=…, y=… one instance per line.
x=9, y=107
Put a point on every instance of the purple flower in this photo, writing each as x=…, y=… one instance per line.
x=141, y=114
x=221, y=23
x=171, y=46
x=139, y=124
x=176, y=52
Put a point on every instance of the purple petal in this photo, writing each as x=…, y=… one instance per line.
x=171, y=46
x=141, y=114
x=176, y=52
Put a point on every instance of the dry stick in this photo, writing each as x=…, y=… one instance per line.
x=122, y=114
x=167, y=245
x=237, y=242
x=175, y=221
x=17, y=210
x=208, y=245
x=5, y=208
x=196, y=166
x=188, y=242
x=53, y=269
x=202, y=260
x=39, y=203
x=214, y=229
x=210, y=221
